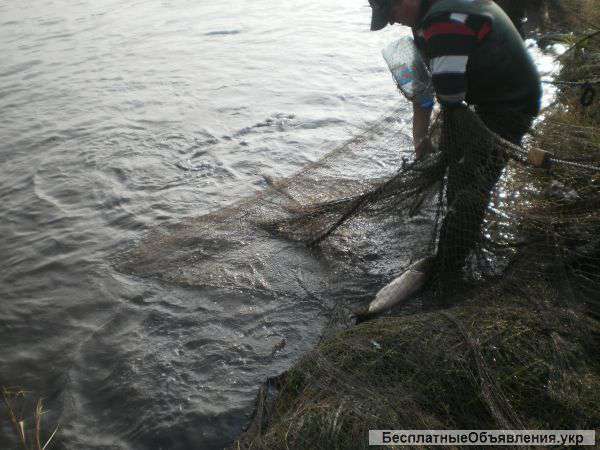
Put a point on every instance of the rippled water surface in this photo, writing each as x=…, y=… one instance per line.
x=120, y=116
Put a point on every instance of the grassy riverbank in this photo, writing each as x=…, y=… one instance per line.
x=519, y=352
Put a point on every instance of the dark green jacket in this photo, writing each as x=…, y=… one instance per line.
x=500, y=72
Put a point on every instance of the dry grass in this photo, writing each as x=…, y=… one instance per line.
x=503, y=365
x=580, y=14
x=28, y=436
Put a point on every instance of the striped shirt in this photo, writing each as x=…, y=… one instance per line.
x=446, y=40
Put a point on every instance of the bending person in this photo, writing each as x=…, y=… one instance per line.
x=476, y=57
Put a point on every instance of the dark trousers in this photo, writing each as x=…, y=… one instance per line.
x=475, y=162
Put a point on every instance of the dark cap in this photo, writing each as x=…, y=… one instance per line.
x=381, y=13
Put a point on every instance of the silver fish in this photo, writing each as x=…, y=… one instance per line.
x=400, y=289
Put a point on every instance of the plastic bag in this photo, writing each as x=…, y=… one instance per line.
x=409, y=71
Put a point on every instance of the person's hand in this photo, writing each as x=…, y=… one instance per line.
x=423, y=148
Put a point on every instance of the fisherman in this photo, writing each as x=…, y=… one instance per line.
x=476, y=58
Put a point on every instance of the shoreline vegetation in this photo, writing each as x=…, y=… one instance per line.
x=25, y=419
x=515, y=352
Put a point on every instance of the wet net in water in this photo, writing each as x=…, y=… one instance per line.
x=508, y=318
x=507, y=333
x=472, y=204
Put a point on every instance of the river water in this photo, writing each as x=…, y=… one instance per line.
x=121, y=116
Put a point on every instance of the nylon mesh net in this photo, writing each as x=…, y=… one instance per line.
x=512, y=345
x=245, y=245
x=504, y=332
x=471, y=204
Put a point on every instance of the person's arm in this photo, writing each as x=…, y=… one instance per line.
x=421, y=121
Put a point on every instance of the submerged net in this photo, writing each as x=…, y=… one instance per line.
x=516, y=348
x=475, y=204
x=254, y=243
x=506, y=335
x=518, y=329
x=464, y=205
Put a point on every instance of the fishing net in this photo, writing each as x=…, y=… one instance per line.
x=467, y=204
x=506, y=335
x=464, y=204
x=510, y=344
x=514, y=348
x=366, y=208
x=249, y=244
x=508, y=321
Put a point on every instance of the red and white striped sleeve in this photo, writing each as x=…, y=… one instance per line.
x=448, y=40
